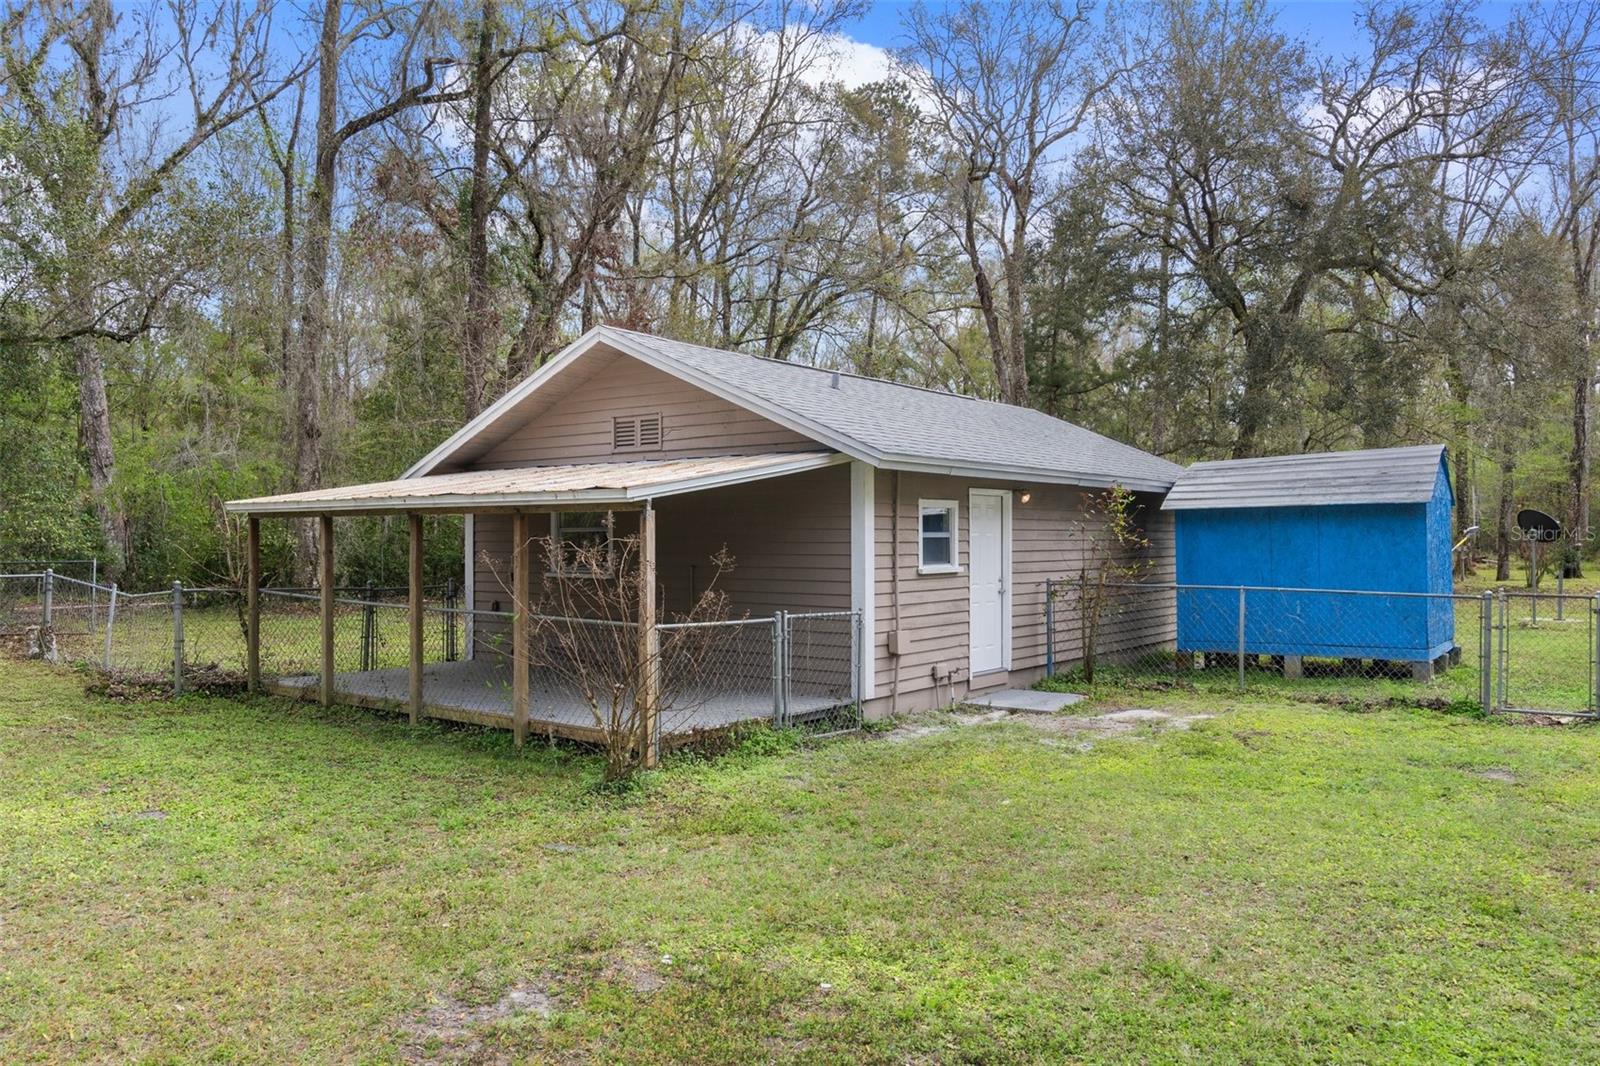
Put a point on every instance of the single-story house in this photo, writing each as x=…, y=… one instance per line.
x=934, y=518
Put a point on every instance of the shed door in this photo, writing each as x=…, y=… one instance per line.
x=989, y=566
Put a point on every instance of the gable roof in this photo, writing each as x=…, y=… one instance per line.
x=884, y=423
x=1376, y=475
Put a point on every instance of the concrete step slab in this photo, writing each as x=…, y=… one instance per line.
x=1025, y=700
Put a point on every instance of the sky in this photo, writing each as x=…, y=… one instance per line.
x=1326, y=25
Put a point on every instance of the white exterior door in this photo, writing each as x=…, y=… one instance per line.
x=989, y=570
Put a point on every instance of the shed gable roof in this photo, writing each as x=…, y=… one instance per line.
x=1375, y=475
x=885, y=423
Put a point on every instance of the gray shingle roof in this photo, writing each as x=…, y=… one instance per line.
x=1377, y=475
x=910, y=427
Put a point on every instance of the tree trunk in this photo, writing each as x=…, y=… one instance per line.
x=1502, y=555
x=998, y=349
x=286, y=270
x=307, y=393
x=476, y=349
x=94, y=434
x=1578, y=461
x=1461, y=442
x=1016, y=266
x=1258, y=360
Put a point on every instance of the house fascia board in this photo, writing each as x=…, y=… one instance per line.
x=1001, y=472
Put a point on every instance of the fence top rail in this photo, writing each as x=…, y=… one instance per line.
x=23, y=576
x=758, y=621
x=79, y=581
x=1528, y=594
x=1172, y=586
x=792, y=615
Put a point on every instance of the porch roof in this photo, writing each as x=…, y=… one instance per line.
x=590, y=484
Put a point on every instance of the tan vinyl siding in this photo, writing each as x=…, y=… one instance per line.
x=491, y=579
x=1048, y=540
x=1052, y=539
x=577, y=427
x=789, y=538
x=932, y=607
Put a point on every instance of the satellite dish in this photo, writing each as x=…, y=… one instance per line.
x=1538, y=526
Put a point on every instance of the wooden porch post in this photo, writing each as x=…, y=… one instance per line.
x=252, y=603
x=414, y=616
x=648, y=696
x=521, y=563
x=327, y=609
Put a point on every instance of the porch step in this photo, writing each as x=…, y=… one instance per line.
x=1025, y=700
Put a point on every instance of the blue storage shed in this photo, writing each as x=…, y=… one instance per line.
x=1376, y=521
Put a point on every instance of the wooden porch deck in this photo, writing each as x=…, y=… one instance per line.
x=480, y=693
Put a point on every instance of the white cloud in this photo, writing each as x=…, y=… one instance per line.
x=849, y=62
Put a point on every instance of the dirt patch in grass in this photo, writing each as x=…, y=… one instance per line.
x=452, y=1031
x=636, y=969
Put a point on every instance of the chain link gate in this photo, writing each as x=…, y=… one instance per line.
x=1547, y=654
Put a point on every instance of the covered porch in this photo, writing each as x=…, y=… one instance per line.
x=683, y=678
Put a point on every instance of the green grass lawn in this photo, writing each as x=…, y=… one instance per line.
x=262, y=881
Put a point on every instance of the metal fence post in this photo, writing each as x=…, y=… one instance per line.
x=1594, y=676
x=780, y=684
x=111, y=622
x=177, y=638
x=855, y=659
x=49, y=589
x=1241, y=638
x=1486, y=651
x=368, y=630
x=1049, y=627
x=94, y=593
x=1503, y=652
x=450, y=649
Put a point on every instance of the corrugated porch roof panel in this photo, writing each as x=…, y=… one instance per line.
x=582, y=483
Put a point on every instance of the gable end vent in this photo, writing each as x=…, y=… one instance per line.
x=636, y=433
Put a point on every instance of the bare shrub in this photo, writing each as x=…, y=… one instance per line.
x=583, y=634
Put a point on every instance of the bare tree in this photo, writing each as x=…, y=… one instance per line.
x=1115, y=554
x=1010, y=85
x=1563, y=57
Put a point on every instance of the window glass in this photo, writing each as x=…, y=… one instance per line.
x=580, y=534
x=938, y=536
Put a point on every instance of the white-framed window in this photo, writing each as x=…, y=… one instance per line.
x=580, y=532
x=938, y=541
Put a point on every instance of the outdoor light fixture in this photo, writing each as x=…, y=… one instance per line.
x=1027, y=494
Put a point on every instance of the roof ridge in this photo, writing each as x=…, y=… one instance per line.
x=1293, y=456
x=842, y=373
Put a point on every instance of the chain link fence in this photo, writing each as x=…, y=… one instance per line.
x=792, y=669
x=1503, y=650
